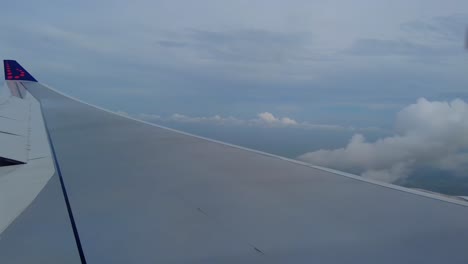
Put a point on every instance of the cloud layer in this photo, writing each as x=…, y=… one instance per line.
x=264, y=119
x=243, y=57
x=427, y=134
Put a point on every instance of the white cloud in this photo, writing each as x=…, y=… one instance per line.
x=267, y=117
x=271, y=119
x=264, y=119
x=288, y=121
x=427, y=134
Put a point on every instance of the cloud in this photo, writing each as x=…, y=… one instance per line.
x=216, y=119
x=245, y=53
x=232, y=58
x=446, y=28
x=384, y=47
x=264, y=119
x=269, y=118
x=241, y=45
x=427, y=133
x=439, y=36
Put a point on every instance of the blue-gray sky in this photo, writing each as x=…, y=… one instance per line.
x=349, y=65
x=321, y=62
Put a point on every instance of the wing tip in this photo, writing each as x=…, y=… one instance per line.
x=15, y=72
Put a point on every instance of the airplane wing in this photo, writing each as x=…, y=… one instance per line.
x=82, y=184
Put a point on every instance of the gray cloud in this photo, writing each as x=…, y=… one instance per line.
x=442, y=35
x=428, y=134
x=385, y=47
x=445, y=28
x=247, y=45
x=159, y=58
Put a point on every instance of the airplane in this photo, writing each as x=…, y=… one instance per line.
x=81, y=184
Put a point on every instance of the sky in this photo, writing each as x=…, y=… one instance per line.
x=361, y=86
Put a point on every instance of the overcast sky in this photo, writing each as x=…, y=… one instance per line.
x=334, y=62
x=311, y=65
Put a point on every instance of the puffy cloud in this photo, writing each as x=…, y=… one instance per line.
x=427, y=133
x=267, y=117
x=271, y=119
x=288, y=121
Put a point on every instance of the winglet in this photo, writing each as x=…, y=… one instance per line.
x=15, y=72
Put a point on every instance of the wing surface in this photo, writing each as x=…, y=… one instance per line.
x=142, y=193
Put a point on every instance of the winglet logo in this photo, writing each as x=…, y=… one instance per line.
x=14, y=71
x=19, y=73
x=8, y=73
